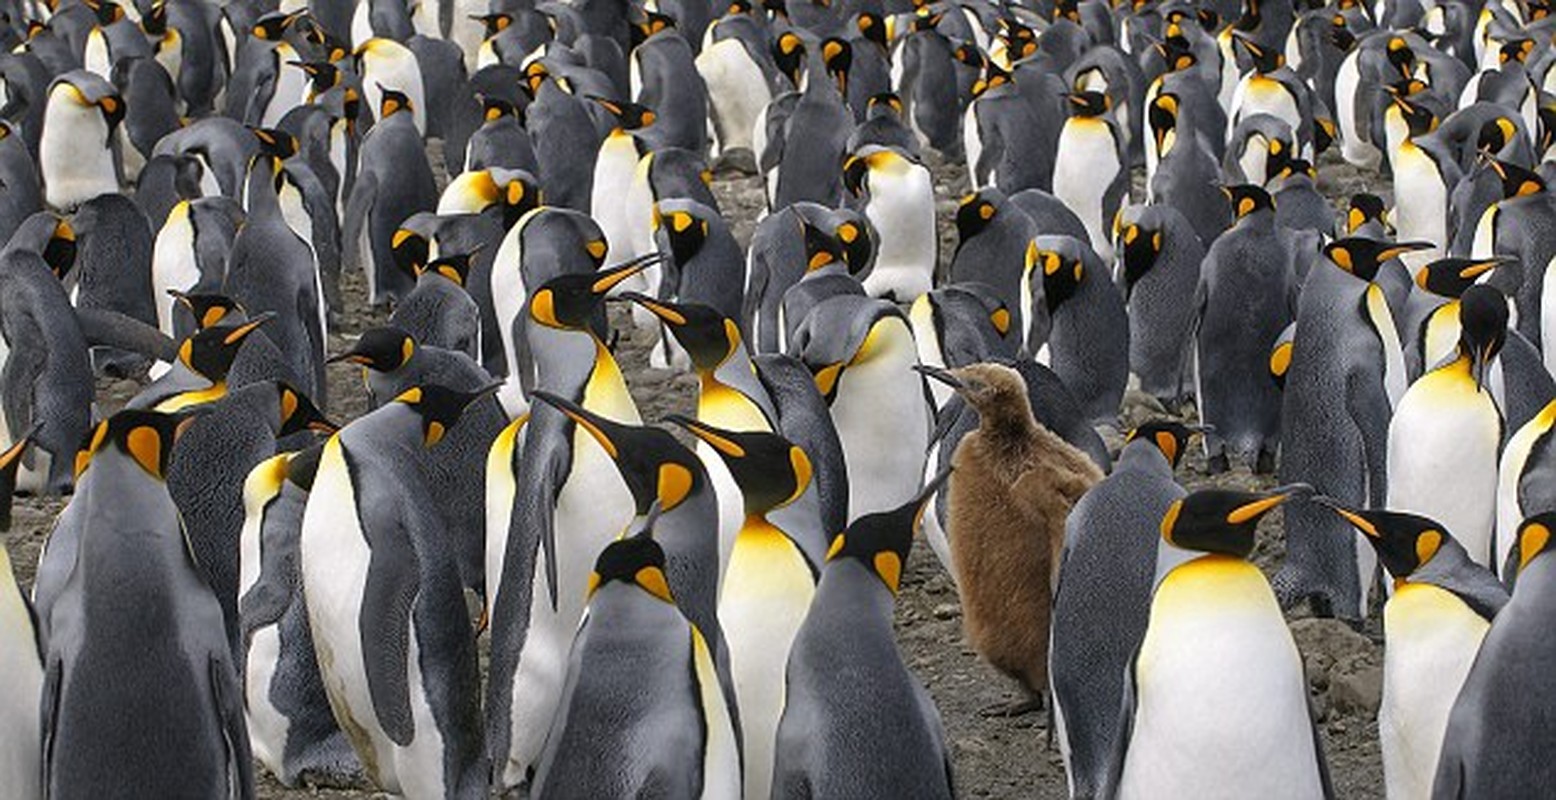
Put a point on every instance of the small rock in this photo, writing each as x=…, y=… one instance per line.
x=946, y=611
x=1359, y=692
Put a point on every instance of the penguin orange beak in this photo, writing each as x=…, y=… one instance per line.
x=1357, y=521
x=609, y=278
x=667, y=312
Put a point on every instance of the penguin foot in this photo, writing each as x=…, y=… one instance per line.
x=1218, y=464
x=1014, y=708
x=1265, y=463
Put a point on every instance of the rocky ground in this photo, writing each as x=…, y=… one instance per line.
x=993, y=757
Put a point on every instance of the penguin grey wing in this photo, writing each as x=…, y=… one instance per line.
x=803, y=418
x=23, y=367
x=103, y=327
x=1537, y=484
x=1449, y=782
x=1324, y=779
x=48, y=717
x=385, y=621
x=224, y=697
x=931, y=716
x=364, y=192
x=1126, y=730
x=992, y=150
x=262, y=606
x=1370, y=411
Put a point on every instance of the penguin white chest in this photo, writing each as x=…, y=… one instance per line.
x=20, y=747
x=737, y=92
x=882, y=420
x=1221, y=703
x=1086, y=165
x=291, y=87
x=73, y=158
x=1431, y=639
x=1257, y=94
x=1442, y=456
x=613, y=171
x=173, y=264
x=902, y=209
x=335, y=557
x=1421, y=202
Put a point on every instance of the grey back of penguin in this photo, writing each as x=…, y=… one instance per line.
x=21, y=195
x=671, y=85
x=441, y=313
x=1089, y=337
x=993, y=233
x=803, y=418
x=393, y=182
x=1102, y=603
x=1159, y=273
x=113, y=264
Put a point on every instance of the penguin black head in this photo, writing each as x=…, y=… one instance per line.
x=1534, y=539
x=653, y=22
x=209, y=352
x=925, y=19
x=1169, y=436
x=708, y=337
x=439, y=407
x=496, y=108
x=629, y=116
x=10, y=462
x=1177, y=53
x=873, y=28
x=322, y=75
x=1264, y=59
x=789, y=55
x=276, y=143
x=974, y=213
x=1537, y=10
x=740, y=7
x=208, y=310
x=1516, y=181
x=1418, y=118
x=1088, y=104
x=515, y=191
x=857, y=244
x=1405, y=542
x=1363, y=257
x=820, y=248
x=687, y=233
x=1020, y=40
x=1067, y=9
x=1547, y=117
x=1162, y=116
x=883, y=104
x=384, y=349
x=1400, y=56
x=271, y=27
x=454, y=267
x=569, y=302
x=657, y=469
x=771, y=471
x=993, y=77
x=1365, y=208
x=881, y=541
x=1483, y=327
x=1450, y=277
x=154, y=21
x=299, y=414
x=1062, y=271
x=1222, y=520
x=393, y=102
x=1246, y=199
x=493, y=24
x=410, y=250
x=60, y=251
x=147, y=437
x=838, y=56
x=856, y=169
x=1141, y=247
x=1515, y=50
x=1495, y=134
x=635, y=560
x=106, y=11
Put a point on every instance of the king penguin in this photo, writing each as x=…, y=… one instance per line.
x=1217, y=674
x=861, y=351
x=1159, y=263
x=1433, y=625
x=393, y=181
x=1091, y=174
x=1446, y=432
x=1488, y=750
x=395, y=645
x=79, y=141
x=856, y=722
x=771, y=578
x=23, y=662
x=641, y=712
x=554, y=501
x=898, y=197
x=136, y=639
x=1088, y=338
x=1102, y=598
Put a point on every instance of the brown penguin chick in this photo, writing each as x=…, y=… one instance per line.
x=1012, y=489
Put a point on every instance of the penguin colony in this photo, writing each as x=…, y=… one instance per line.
x=703, y=606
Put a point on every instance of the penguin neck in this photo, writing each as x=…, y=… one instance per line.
x=260, y=190
x=1008, y=425
x=1143, y=454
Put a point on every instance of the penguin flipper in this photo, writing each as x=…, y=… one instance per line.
x=385, y=622
x=1324, y=779
x=23, y=367
x=102, y=327
x=48, y=719
x=240, y=759
x=1126, y=730
x=1369, y=409
x=363, y=194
